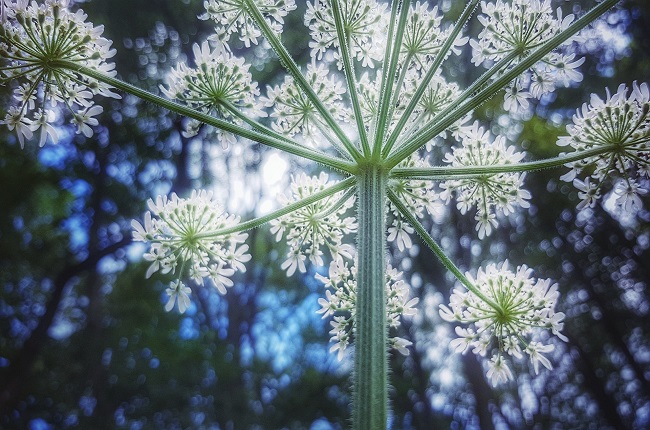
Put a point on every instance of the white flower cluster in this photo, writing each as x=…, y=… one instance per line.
x=181, y=231
x=293, y=110
x=364, y=21
x=341, y=296
x=219, y=85
x=233, y=16
x=519, y=28
x=316, y=225
x=33, y=37
x=622, y=124
x=491, y=193
x=424, y=35
x=510, y=308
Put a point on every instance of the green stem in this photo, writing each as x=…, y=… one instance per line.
x=259, y=127
x=387, y=96
x=350, y=77
x=257, y=222
x=370, y=403
x=394, y=7
x=291, y=66
x=446, y=172
x=426, y=237
x=479, y=98
x=265, y=139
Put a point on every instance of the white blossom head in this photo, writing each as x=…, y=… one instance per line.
x=219, y=85
x=517, y=28
x=184, y=235
x=491, y=193
x=308, y=230
x=233, y=16
x=424, y=35
x=295, y=113
x=505, y=317
x=620, y=126
x=364, y=24
x=39, y=46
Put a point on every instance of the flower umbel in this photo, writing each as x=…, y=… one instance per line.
x=621, y=126
x=490, y=193
x=518, y=28
x=181, y=233
x=220, y=85
x=510, y=308
x=232, y=16
x=33, y=38
x=316, y=225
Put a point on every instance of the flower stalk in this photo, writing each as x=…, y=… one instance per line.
x=370, y=407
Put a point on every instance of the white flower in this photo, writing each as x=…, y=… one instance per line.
x=519, y=27
x=233, y=16
x=84, y=120
x=619, y=124
x=399, y=232
x=15, y=120
x=535, y=350
x=44, y=120
x=178, y=292
x=490, y=193
x=588, y=193
x=503, y=311
x=181, y=232
x=219, y=83
x=423, y=36
x=498, y=371
x=32, y=38
x=628, y=195
x=294, y=112
x=318, y=225
x=363, y=22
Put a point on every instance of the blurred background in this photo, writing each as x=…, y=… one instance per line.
x=85, y=342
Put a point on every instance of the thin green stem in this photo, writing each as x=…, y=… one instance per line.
x=370, y=401
x=387, y=96
x=394, y=7
x=257, y=222
x=442, y=54
x=262, y=128
x=446, y=172
x=479, y=98
x=291, y=66
x=265, y=139
x=350, y=77
x=426, y=237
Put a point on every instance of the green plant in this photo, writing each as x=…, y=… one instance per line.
x=374, y=129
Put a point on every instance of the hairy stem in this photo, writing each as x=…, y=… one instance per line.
x=370, y=404
x=446, y=172
x=426, y=237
